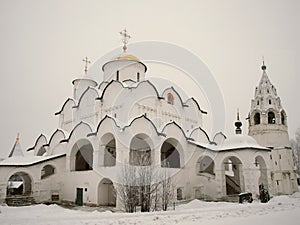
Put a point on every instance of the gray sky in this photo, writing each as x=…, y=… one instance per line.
x=43, y=42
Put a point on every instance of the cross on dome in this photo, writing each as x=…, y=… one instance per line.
x=125, y=38
x=86, y=64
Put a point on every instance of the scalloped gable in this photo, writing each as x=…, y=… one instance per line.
x=173, y=123
x=100, y=124
x=81, y=125
x=112, y=84
x=219, y=138
x=68, y=101
x=40, y=141
x=199, y=135
x=143, y=117
x=85, y=93
x=172, y=89
x=57, y=137
x=193, y=101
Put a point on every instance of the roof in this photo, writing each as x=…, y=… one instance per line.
x=28, y=160
x=127, y=57
x=16, y=150
x=241, y=141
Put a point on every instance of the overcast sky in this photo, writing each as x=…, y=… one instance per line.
x=43, y=42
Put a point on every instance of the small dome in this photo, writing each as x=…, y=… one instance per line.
x=127, y=57
x=240, y=141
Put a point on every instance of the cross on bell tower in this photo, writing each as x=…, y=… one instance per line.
x=86, y=64
x=125, y=38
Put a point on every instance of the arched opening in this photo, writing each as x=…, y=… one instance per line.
x=41, y=151
x=82, y=156
x=271, y=118
x=257, y=118
x=47, y=171
x=233, y=171
x=262, y=179
x=169, y=154
x=109, y=142
x=19, y=183
x=283, y=118
x=140, y=151
x=205, y=165
x=106, y=193
x=170, y=98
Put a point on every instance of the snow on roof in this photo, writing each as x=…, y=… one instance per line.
x=238, y=141
x=27, y=160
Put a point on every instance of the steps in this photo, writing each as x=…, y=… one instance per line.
x=20, y=200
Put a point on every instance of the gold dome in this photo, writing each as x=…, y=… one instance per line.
x=127, y=57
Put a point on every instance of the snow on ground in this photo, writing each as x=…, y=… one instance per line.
x=280, y=210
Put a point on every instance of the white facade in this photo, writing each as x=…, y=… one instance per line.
x=123, y=119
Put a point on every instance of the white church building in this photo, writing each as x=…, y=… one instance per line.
x=124, y=120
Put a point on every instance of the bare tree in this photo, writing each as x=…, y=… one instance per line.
x=295, y=144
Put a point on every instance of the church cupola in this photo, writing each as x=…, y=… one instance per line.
x=267, y=118
x=81, y=84
x=238, y=124
x=125, y=67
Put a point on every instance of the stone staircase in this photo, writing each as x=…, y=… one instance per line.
x=20, y=200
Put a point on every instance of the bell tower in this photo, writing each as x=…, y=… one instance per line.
x=268, y=126
x=267, y=118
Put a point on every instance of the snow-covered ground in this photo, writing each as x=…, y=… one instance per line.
x=280, y=210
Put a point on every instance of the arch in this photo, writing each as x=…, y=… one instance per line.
x=106, y=193
x=256, y=118
x=171, y=154
x=205, y=164
x=82, y=156
x=47, y=171
x=140, y=151
x=20, y=183
x=260, y=163
x=109, y=143
x=233, y=172
x=271, y=117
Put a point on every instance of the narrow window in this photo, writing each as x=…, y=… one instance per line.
x=271, y=118
x=117, y=74
x=276, y=163
x=179, y=193
x=138, y=77
x=270, y=102
x=282, y=118
x=277, y=182
x=170, y=99
x=257, y=118
x=279, y=156
x=271, y=157
x=257, y=103
x=268, y=91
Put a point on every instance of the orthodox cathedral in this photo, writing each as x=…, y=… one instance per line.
x=125, y=120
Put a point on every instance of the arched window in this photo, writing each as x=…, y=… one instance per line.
x=170, y=154
x=271, y=118
x=82, y=156
x=270, y=102
x=47, y=171
x=170, y=99
x=282, y=118
x=257, y=118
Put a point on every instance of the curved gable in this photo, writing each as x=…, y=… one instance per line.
x=191, y=102
x=219, y=138
x=57, y=137
x=82, y=129
x=169, y=129
x=39, y=143
x=199, y=135
x=112, y=87
x=69, y=103
x=88, y=97
x=177, y=98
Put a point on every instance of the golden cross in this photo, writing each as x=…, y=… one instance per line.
x=125, y=38
x=86, y=64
